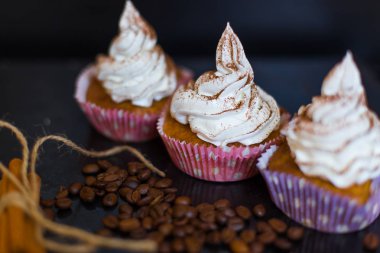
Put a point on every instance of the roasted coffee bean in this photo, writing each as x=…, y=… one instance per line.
x=90, y=180
x=147, y=223
x=113, y=170
x=135, y=167
x=235, y=223
x=152, y=181
x=189, y=229
x=125, y=208
x=221, y=219
x=181, y=221
x=63, y=203
x=214, y=238
x=100, y=184
x=179, y=231
x=278, y=225
x=257, y=247
x=222, y=203
x=110, y=199
x=262, y=226
x=179, y=211
x=267, y=237
x=123, y=192
x=207, y=216
x=74, y=188
x=62, y=193
x=100, y=192
x=155, y=211
x=178, y=245
x=113, y=187
x=104, y=232
x=243, y=212
x=87, y=194
x=124, y=216
x=239, y=246
x=129, y=225
x=156, y=236
x=170, y=197
x=170, y=190
x=138, y=233
x=136, y=196
x=229, y=212
x=371, y=241
x=110, y=177
x=182, y=200
x=204, y=226
x=104, y=164
x=163, y=183
x=164, y=247
x=130, y=183
x=143, y=189
x=47, y=203
x=204, y=206
x=142, y=212
x=248, y=235
x=91, y=168
x=166, y=228
x=49, y=213
x=283, y=244
x=144, y=175
x=145, y=201
x=110, y=221
x=295, y=233
x=155, y=193
x=259, y=210
x=193, y=244
x=228, y=235
x=191, y=212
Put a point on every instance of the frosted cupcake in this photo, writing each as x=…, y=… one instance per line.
x=327, y=175
x=216, y=127
x=124, y=93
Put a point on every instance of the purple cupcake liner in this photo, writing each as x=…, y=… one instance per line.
x=315, y=207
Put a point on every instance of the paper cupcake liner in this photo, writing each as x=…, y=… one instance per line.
x=116, y=124
x=218, y=164
x=315, y=207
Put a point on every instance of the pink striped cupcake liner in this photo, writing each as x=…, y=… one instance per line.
x=116, y=124
x=315, y=207
x=218, y=164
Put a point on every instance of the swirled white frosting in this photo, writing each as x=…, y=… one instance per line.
x=136, y=69
x=337, y=137
x=226, y=106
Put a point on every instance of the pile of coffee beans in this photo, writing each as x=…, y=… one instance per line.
x=149, y=207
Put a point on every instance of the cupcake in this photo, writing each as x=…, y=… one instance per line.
x=216, y=127
x=124, y=93
x=326, y=176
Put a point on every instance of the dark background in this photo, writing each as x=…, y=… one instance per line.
x=84, y=28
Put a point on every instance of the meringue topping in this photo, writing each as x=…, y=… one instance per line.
x=225, y=106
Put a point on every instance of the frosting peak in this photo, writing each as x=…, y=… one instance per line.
x=136, y=69
x=225, y=106
x=337, y=137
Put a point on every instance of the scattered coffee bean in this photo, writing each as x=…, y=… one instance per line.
x=91, y=168
x=239, y=246
x=47, y=203
x=229, y=212
x=248, y=235
x=235, y=223
x=63, y=203
x=110, y=221
x=207, y=216
x=132, y=184
x=134, y=167
x=136, y=196
x=74, y=188
x=104, y=164
x=243, y=212
x=228, y=235
x=221, y=219
x=110, y=177
x=144, y=175
x=87, y=194
x=129, y=225
x=145, y=201
x=125, y=208
x=182, y=200
x=295, y=233
x=267, y=237
x=262, y=227
x=278, y=225
x=170, y=190
x=169, y=197
x=204, y=206
x=222, y=203
x=90, y=180
x=100, y=192
x=259, y=210
x=163, y=183
x=371, y=241
x=110, y=200
x=62, y=193
x=143, y=189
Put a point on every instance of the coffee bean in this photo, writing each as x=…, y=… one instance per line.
x=87, y=194
x=63, y=203
x=169, y=197
x=113, y=170
x=221, y=219
x=181, y=221
x=134, y=167
x=91, y=168
x=142, y=212
x=163, y=183
x=228, y=235
x=130, y=183
x=239, y=246
x=214, y=238
x=90, y=180
x=104, y=232
x=170, y=190
x=178, y=245
x=109, y=200
x=371, y=241
x=147, y=223
x=143, y=189
x=155, y=211
x=165, y=228
x=123, y=192
x=104, y=164
x=204, y=206
x=243, y=212
x=145, y=201
x=152, y=181
x=262, y=226
x=138, y=233
x=207, y=216
x=156, y=236
x=182, y=200
x=179, y=211
x=100, y=192
x=278, y=225
x=47, y=203
x=62, y=193
x=74, y=188
x=124, y=216
x=257, y=247
x=113, y=186
x=191, y=212
x=235, y=223
x=164, y=247
x=155, y=193
x=110, y=221
x=222, y=203
x=283, y=244
x=125, y=208
x=259, y=210
x=295, y=233
x=110, y=177
x=229, y=212
x=193, y=244
x=189, y=229
x=144, y=175
x=136, y=196
x=179, y=231
x=129, y=225
x=49, y=213
x=267, y=237
x=248, y=235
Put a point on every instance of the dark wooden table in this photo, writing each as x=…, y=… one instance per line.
x=37, y=96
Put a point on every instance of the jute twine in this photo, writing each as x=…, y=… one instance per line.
x=27, y=199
